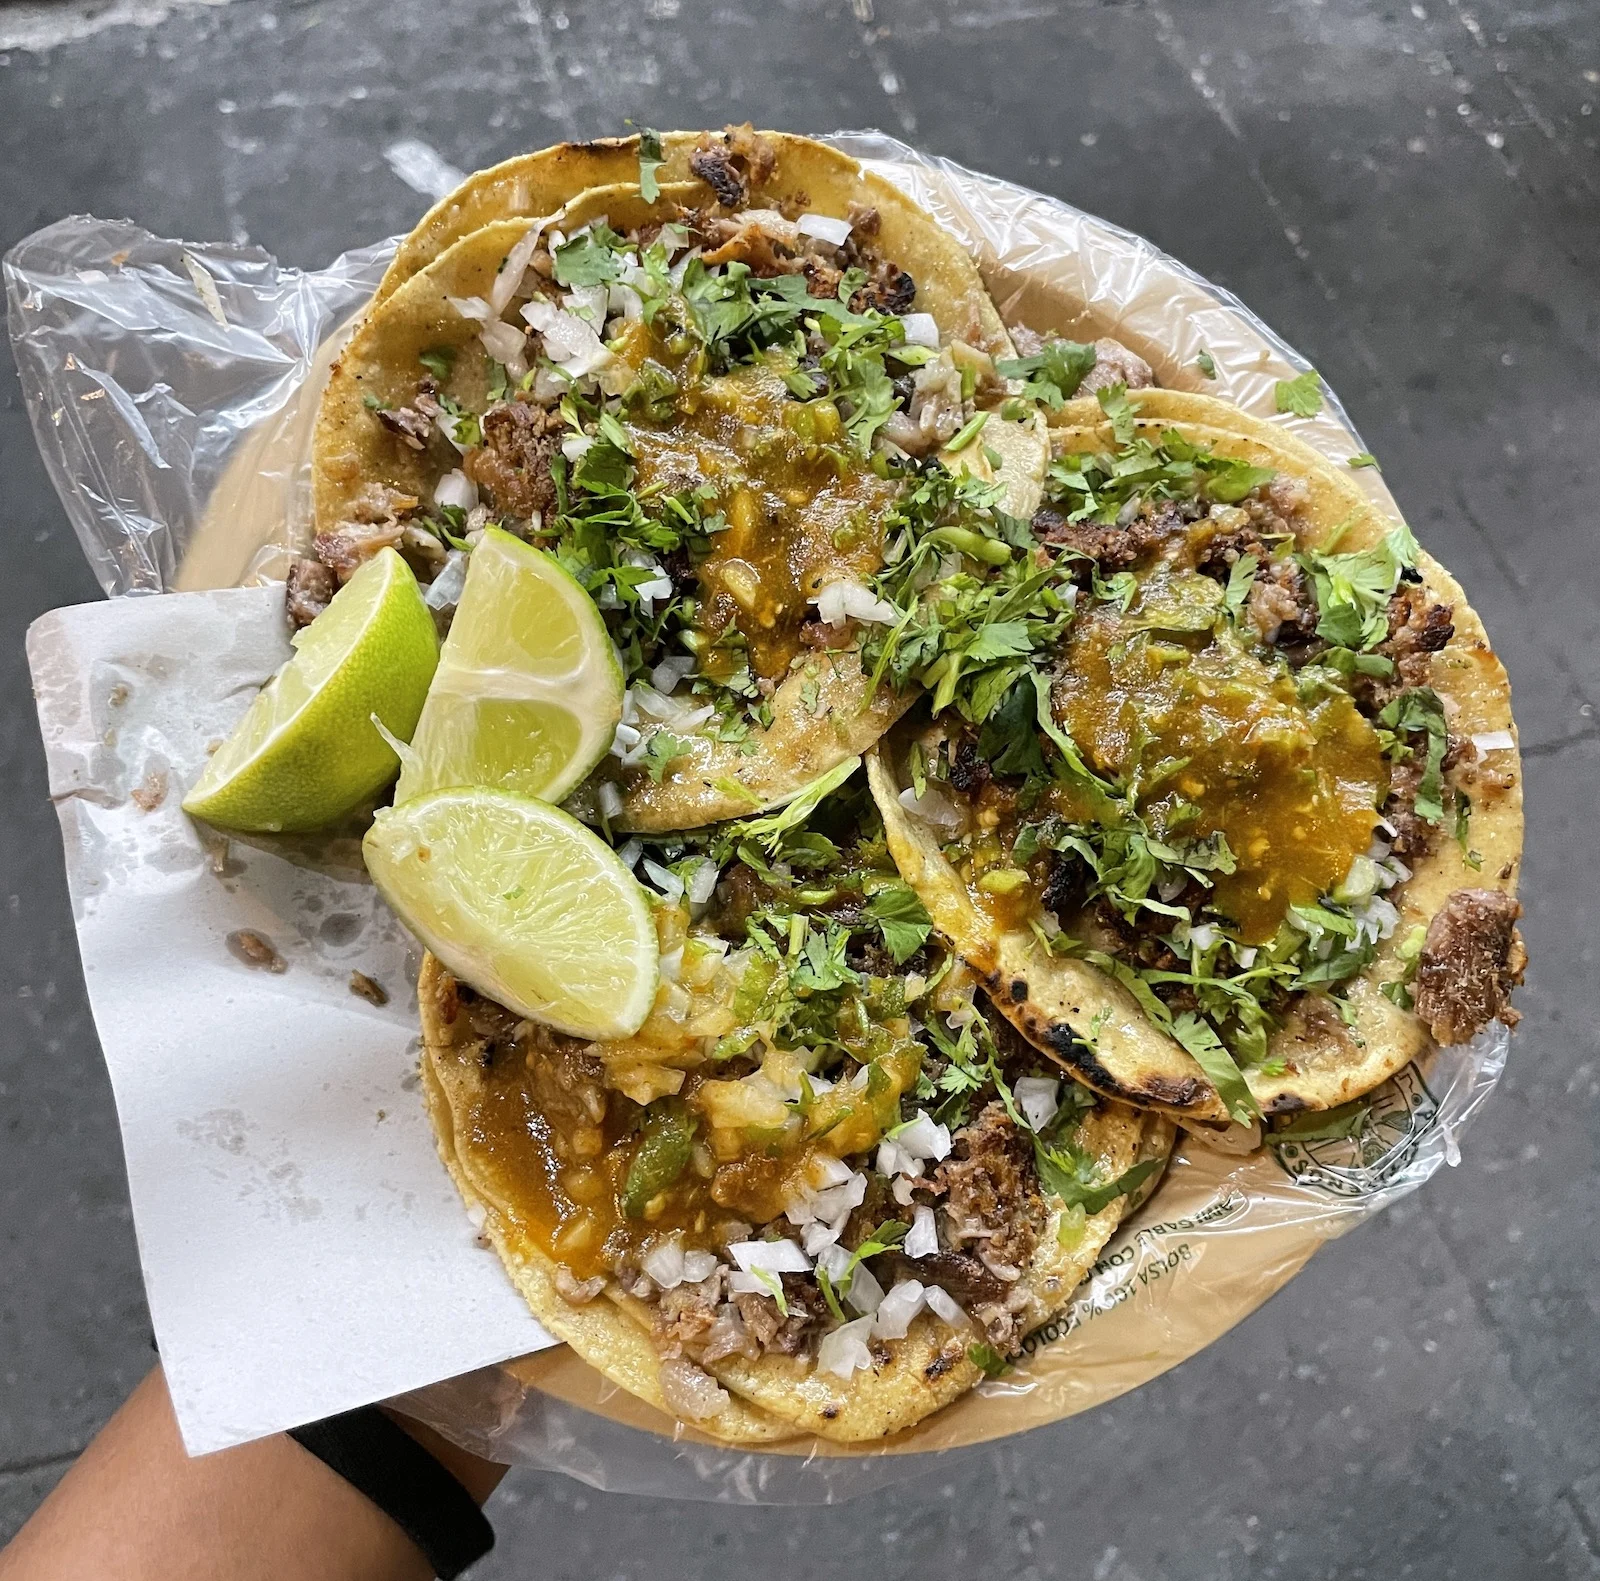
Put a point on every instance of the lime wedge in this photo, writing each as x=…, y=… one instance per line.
x=528, y=691
x=521, y=901
x=307, y=751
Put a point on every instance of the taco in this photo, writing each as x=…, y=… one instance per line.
x=713, y=413
x=1235, y=831
x=825, y=1188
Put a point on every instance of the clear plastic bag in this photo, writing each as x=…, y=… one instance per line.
x=171, y=389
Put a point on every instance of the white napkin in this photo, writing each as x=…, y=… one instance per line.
x=304, y=1250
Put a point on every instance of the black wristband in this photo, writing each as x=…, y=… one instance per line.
x=379, y=1459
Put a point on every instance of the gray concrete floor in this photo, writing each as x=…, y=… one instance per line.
x=1408, y=192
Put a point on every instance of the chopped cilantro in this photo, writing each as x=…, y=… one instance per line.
x=1363, y=458
x=1053, y=374
x=662, y=748
x=1120, y=411
x=1300, y=396
x=438, y=361
x=902, y=920
x=988, y=1360
x=588, y=259
x=1353, y=590
x=1419, y=709
x=1206, y=363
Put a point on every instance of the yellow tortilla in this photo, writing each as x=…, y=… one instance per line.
x=775, y=1396
x=821, y=179
x=1060, y=1004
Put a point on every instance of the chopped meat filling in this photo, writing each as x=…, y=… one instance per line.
x=414, y=425
x=1471, y=960
x=1115, y=364
x=310, y=590
x=991, y=1192
x=512, y=466
x=1112, y=546
x=734, y=162
x=1281, y=605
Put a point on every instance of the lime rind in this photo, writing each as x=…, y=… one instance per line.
x=519, y=899
x=306, y=751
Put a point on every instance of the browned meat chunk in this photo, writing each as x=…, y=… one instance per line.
x=1282, y=606
x=684, y=1315
x=377, y=522
x=512, y=466
x=413, y=425
x=310, y=589
x=1418, y=629
x=1112, y=547
x=1115, y=364
x=732, y=163
x=969, y=773
x=889, y=289
x=991, y=1190
x=960, y=1273
x=1471, y=960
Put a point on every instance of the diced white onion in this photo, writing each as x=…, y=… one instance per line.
x=505, y=343
x=837, y=1201
x=657, y=587
x=865, y=1294
x=1493, y=741
x=933, y=808
x=773, y=1257
x=1038, y=1097
x=664, y=1262
x=924, y=1137
x=922, y=1239
x=699, y=1266
x=844, y=1350
x=568, y=340
x=824, y=227
x=625, y=301
x=1204, y=935
x=833, y=1260
x=509, y=279
x=945, y=1307
x=849, y=599
x=826, y=1170
x=630, y=853
x=895, y=1160
x=610, y=799
x=819, y=1237
x=666, y=675
x=704, y=882
x=922, y=329
x=457, y=489
x=444, y=591
x=663, y=878
x=672, y=965
x=624, y=739
x=573, y=446
x=588, y=302
x=897, y=1310
x=473, y=307
x=1245, y=957
x=446, y=426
